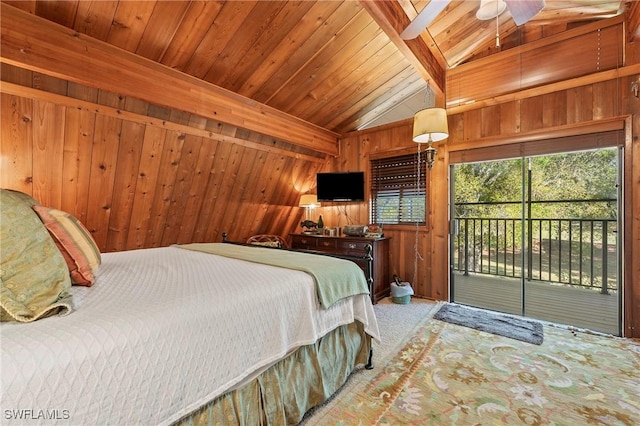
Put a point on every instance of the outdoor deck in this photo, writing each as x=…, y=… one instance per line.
x=581, y=308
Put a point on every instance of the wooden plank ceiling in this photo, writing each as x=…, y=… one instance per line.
x=337, y=64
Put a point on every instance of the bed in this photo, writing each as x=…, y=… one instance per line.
x=193, y=334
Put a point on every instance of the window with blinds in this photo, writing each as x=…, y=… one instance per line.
x=398, y=190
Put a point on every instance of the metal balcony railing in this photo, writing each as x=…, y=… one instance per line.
x=576, y=252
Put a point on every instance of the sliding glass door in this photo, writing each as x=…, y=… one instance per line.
x=537, y=236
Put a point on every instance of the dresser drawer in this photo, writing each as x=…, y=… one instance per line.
x=327, y=243
x=303, y=242
x=354, y=247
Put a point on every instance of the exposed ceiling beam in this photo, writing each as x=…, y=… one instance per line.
x=39, y=45
x=392, y=18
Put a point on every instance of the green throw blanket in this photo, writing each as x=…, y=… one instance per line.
x=335, y=278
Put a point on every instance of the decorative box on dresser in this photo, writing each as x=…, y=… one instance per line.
x=353, y=246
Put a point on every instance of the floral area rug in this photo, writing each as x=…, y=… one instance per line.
x=454, y=375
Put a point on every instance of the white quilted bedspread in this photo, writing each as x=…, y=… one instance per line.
x=161, y=332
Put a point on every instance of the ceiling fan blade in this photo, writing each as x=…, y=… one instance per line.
x=424, y=18
x=523, y=10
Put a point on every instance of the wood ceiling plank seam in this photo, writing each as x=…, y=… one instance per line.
x=343, y=24
x=400, y=76
x=346, y=46
x=129, y=23
x=94, y=18
x=161, y=28
x=190, y=33
x=288, y=48
x=371, y=71
x=253, y=27
x=221, y=32
x=60, y=11
x=359, y=121
x=275, y=33
x=340, y=79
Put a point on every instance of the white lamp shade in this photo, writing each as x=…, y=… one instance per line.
x=430, y=125
x=309, y=200
x=489, y=9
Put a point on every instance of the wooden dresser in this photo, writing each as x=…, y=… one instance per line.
x=353, y=246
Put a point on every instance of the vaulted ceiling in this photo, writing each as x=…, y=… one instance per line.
x=340, y=65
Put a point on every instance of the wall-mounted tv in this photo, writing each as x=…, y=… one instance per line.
x=340, y=186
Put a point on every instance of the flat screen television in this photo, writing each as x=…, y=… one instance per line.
x=340, y=186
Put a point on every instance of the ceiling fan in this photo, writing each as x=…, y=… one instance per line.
x=521, y=11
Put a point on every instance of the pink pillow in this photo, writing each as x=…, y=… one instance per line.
x=75, y=242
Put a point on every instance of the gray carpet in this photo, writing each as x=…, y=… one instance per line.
x=510, y=326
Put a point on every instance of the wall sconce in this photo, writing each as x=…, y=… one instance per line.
x=309, y=202
x=430, y=125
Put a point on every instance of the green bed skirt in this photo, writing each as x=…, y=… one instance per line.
x=286, y=391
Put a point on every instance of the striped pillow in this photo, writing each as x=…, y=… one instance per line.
x=74, y=242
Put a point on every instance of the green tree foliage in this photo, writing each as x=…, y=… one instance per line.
x=578, y=185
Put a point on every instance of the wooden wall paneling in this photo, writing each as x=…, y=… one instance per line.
x=164, y=188
x=490, y=121
x=16, y=143
x=48, y=144
x=609, y=99
x=531, y=113
x=242, y=176
x=509, y=118
x=104, y=155
x=224, y=187
x=554, y=107
x=48, y=83
x=197, y=190
x=124, y=188
x=204, y=231
x=185, y=172
x=252, y=197
x=266, y=186
x=147, y=177
x=579, y=104
x=472, y=125
x=632, y=228
x=16, y=75
x=76, y=167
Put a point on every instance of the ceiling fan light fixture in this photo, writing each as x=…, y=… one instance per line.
x=490, y=9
